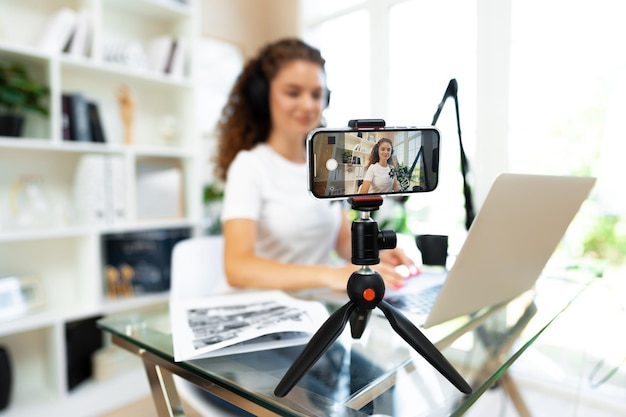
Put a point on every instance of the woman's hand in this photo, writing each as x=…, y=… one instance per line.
x=393, y=276
x=338, y=276
x=397, y=257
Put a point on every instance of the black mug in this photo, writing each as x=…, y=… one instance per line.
x=6, y=378
x=434, y=249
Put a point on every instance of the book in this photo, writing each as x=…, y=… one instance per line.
x=242, y=321
x=116, y=192
x=57, y=31
x=169, y=62
x=90, y=191
x=78, y=112
x=95, y=123
x=81, y=119
x=100, y=190
x=160, y=53
x=79, y=43
x=65, y=117
x=177, y=64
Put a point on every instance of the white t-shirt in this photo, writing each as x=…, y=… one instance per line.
x=381, y=181
x=293, y=226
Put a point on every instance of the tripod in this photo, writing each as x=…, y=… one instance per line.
x=366, y=290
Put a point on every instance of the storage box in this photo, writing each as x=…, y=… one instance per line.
x=137, y=263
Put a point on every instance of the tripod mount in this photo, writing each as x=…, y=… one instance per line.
x=366, y=289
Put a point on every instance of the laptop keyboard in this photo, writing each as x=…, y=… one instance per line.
x=418, y=303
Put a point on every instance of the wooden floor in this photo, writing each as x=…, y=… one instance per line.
x=493, y=404
x=146, y=408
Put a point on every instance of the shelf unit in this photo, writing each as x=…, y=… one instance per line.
x=60, y=250
x=352, y=155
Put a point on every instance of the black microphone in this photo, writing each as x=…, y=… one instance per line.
x=453, y=88
x=451, y=91
x=395, y=164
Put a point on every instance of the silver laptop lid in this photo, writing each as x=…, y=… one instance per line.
x=520, y=224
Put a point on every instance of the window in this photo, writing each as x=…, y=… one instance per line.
x=344, y=42
x=393, y=60
x=566, y=107
x=549, y=101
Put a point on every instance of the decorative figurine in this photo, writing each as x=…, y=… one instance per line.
x=127, y=110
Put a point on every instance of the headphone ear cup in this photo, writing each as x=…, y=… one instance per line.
x=258, y=93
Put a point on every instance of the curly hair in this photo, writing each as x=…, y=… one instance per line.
x=241, y=125
x=374, y=156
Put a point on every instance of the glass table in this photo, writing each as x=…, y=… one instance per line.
x=378, y=374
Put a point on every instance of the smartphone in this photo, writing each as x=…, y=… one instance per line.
x=348, y=162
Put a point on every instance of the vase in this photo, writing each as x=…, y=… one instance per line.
x=11, y=125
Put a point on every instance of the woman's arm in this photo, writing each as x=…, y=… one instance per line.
x=367, y=180
x=245, y=269
x=365, y=187
x=343, y=246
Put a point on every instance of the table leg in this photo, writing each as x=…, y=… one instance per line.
x=510, y=387
x=495, y=351
x=164, y=391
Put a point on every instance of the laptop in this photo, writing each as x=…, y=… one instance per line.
x=520, y=224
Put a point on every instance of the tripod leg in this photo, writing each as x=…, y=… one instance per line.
x=358, y=322
x=317, y=346
x=423, y=346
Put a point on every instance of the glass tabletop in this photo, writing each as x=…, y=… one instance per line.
x=378, y=373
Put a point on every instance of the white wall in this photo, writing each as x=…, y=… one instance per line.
x=492, y=93
x=250, y=23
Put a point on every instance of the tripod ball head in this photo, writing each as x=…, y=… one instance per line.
x=366, y=288
x=367, y=240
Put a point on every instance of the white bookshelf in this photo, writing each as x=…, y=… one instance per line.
x=350, y=170
x=63, y=253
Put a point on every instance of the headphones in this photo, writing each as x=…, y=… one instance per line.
x=258, y=92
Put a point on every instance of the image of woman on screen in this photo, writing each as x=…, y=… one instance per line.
x=380, y=176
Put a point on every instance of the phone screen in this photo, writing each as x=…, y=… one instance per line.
x=381, y=161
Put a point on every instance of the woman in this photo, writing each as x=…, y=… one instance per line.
x=380, y=176
x=276, y=235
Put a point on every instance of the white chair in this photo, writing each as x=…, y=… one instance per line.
x=198, y=270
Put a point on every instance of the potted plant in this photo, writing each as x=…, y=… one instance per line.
x=212, y=197
x=19, y=94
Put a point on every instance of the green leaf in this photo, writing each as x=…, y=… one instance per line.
x=19, y=93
